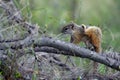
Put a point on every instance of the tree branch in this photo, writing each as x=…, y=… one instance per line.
x=74, y=50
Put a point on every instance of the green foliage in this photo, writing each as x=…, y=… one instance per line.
x=17, y=75
x=102, y=69
x=78, y=78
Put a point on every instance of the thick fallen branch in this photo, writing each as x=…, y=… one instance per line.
x=113, y=55
x=74, y=50
x=71, y=49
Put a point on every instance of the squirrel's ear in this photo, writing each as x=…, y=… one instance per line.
x=83, y=26
x=72, y=26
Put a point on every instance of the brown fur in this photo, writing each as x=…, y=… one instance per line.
x=95, y=34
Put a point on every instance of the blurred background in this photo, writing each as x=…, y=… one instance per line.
x=51, y=15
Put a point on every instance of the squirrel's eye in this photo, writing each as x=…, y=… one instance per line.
x=66, y=28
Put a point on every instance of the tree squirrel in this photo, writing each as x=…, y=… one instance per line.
x=90, y=35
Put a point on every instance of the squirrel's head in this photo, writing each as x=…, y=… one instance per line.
x=68, y=29
x=72, y=28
